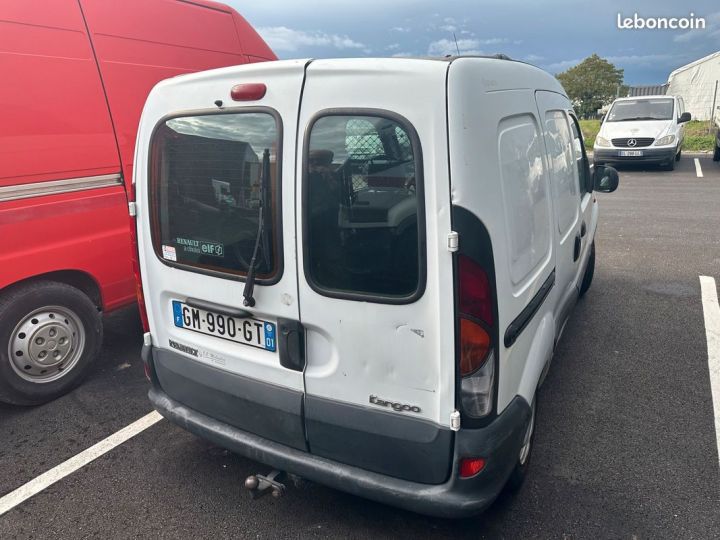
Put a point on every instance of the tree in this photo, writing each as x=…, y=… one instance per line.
x=591, y=84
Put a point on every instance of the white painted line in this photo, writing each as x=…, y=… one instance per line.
x=36, y=485
x=711, y=310
x=698, y=169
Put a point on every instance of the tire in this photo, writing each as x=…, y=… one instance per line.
x=50, y=333
x=669, y=166
x=678, y=155
x=519, y=473
x=716, y=152
x=589, y=272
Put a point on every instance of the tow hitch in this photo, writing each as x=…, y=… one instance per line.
x=259, y=485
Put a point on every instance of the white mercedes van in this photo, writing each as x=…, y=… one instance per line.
x=647, y=129
x=356, y=271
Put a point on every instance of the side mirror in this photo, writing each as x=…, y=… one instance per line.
x=605, y=179
x=684, y=117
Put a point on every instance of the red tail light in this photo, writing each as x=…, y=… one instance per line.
x=248, y=91
x=475, y=355
x=471, y=466
x=475, y=294
x=475, y=302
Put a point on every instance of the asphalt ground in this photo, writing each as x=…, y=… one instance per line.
x=625, y=444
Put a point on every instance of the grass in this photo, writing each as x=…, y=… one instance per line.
x=699, y=136
x=589, y=130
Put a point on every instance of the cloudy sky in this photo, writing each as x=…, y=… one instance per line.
x=553, y=34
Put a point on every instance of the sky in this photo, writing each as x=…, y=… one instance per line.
x=553, y=34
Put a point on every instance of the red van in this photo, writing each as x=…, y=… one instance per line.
x=76, y=74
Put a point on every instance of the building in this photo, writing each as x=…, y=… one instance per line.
x=651, y=90
x=697, y=84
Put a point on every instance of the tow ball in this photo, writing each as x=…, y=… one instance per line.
x=259, y=485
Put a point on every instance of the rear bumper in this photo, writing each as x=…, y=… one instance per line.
x=499, y=443
x=650, y=155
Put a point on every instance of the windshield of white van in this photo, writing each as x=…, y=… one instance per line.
x=206, y=188
x=363, y=203
x=641, y=109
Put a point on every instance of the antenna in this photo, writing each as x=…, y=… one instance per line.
x=456, y=44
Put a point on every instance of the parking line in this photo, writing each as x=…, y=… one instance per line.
x=698, y=169
x=711, y=310
x=36, y=485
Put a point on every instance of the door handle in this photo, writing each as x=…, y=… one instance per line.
x=211, y=306
x=583, y=229
x=576, y=250
x=291, y=344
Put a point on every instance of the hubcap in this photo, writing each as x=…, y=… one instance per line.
x=525, y=450
x=46, y=344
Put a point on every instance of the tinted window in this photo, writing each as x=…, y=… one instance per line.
x=641, y=109
x=210, y=175
x=363, y=200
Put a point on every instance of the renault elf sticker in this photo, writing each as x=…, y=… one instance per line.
x=169, y=253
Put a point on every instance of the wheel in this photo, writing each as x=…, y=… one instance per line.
x=678, y=155
x=589, y=272
x=49, y=335
x=518, y=474
x=716, y=153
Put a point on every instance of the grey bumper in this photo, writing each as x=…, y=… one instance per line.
x=650, y=155
x=499, y=443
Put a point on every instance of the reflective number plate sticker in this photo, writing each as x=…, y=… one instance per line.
x=631, y=153
x=253, y=332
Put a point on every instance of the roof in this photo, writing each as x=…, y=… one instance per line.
x=637, y=98
x=647, y=90
x=693, y=64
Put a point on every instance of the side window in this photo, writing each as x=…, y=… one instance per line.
x=525, y=194
x=363, y=208
x=583, y=165
x=209, y=176
x=563, y=168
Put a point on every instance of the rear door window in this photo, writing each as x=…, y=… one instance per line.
x=210, y=176
x=363, y=208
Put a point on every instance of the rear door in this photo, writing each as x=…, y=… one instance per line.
x=375, y=275
x=210, y=171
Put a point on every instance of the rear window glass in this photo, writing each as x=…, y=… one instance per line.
x=363, y=204
x=210, y=176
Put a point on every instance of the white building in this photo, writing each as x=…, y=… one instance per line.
x=696, y=83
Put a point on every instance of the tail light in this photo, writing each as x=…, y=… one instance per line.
x=248, y=92
x=471, y=466
x=476, y=356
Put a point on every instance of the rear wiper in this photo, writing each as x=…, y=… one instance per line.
x=248, y=300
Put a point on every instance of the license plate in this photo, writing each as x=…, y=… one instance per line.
x=253, y=332
x=631, y=153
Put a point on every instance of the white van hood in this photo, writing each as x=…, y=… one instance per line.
x=644, y=128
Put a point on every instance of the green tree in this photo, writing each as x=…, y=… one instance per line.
x=591, y=84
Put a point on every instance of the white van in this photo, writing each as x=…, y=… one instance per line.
x=648, y=129
x=356, y=271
